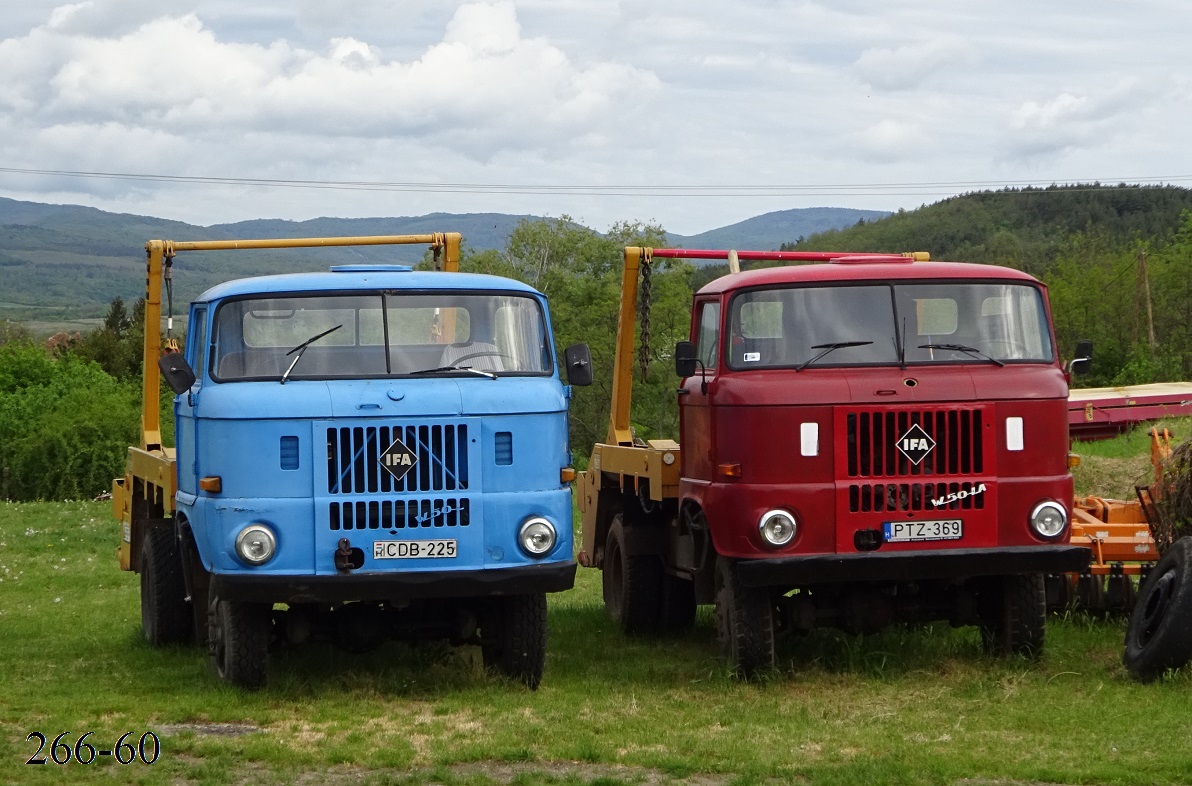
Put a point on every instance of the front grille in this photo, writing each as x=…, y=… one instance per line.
x=872, y=437
x=439, y=453
x=892, y=497
x=399, y=514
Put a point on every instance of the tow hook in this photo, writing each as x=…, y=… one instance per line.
x=348, y=559
x=867, y=539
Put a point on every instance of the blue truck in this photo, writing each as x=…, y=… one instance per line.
x=361, y=454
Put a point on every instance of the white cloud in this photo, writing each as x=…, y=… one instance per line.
x=890, y=139
x=907, y=67
x=474, y=88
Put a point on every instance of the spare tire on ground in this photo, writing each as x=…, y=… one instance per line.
x=1159, y=636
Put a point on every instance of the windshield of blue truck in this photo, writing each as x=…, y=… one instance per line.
x=325, y=336
x=877, y=324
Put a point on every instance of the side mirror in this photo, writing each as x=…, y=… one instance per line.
x=577, y=363
x=1083, y=362
x=176, y=372
x=685, y=359
x=686, y=362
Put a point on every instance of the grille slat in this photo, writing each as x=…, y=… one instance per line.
x=872, y=443
x=439, y=452
x=400, y=514
x=872, y=452
x=909, y=497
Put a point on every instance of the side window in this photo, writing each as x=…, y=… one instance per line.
x=707, y=345
x=196, y=345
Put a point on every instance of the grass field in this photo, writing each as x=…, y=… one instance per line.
x=909, y=706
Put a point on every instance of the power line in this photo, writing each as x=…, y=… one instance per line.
x=929, y=188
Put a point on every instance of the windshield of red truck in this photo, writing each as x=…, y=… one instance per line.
x=322, y=336
x=877, y=324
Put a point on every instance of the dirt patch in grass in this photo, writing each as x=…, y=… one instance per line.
x=208, y=729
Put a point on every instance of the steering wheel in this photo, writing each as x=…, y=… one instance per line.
x=484, y=353
x=1014, y=350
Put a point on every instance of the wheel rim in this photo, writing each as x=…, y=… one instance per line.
x=1155, y=609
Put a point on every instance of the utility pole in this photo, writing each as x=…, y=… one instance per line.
x=1142, y=303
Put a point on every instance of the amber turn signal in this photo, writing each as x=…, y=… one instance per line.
x=212, y=484
x=566, y=474
x=729, y=470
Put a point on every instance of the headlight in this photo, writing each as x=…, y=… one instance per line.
x=255, y=544
x=536, y=536
x=1049, y=519
x=778, y=527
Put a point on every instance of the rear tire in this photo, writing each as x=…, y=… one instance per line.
x=632, y=584
x=745, y=619
x=238, y=639
x=515, y=643
x=165, y=612
x=1159, y=635
x=1015, y=619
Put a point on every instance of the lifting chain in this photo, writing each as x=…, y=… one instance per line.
x=643, y=355
x=171, y=343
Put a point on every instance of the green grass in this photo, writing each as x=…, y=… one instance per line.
x=910, y=706
x=1112, y=467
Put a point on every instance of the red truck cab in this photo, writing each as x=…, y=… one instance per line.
x=871, y=440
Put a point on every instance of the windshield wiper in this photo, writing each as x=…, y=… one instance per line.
x=443, y=369
x=962, y=348
x=301, y=348
x=829, y=348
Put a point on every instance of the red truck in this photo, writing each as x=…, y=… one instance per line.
x=872, y=439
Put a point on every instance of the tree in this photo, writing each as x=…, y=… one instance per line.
x=580, y=272
x=65, y=425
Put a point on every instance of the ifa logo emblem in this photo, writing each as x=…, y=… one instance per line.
x=915, y=444
x=398, y=459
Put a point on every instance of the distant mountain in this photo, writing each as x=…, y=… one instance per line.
x=770, y=230
x=61, y=262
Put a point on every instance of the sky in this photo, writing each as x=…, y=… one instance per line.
x=688, y=113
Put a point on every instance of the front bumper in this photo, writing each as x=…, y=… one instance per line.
x=803, y=571
x=394, y=586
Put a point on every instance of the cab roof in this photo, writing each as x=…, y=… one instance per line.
x=364, y=278
x=887, y=270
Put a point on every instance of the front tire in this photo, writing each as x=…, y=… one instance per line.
x=1159, y=635
x=745, y=619
x=238, y=639
x=165, y=611
x=1015, y=619
x=515, y=643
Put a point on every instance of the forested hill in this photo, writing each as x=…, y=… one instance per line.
x=1025, y=228
x=1091, y=246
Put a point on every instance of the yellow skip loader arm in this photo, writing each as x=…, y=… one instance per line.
x=622, y=464
x=146, y=492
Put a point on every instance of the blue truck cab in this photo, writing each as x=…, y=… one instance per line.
x=362, y=454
